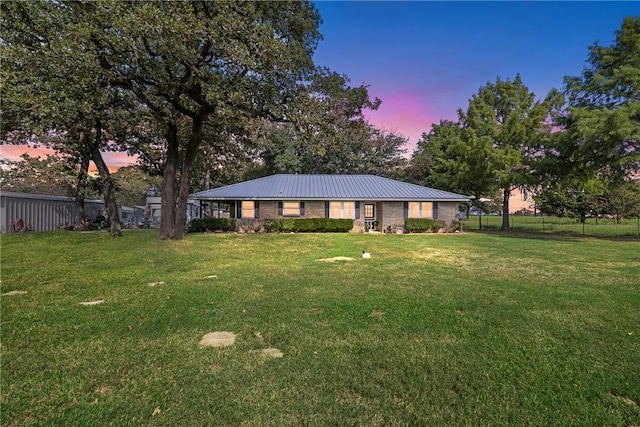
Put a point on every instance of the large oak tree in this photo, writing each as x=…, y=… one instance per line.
x=209, y=63
x=197, y=68
x=55, y=94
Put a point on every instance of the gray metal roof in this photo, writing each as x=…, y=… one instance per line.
x=16, y=195
x=327, y=187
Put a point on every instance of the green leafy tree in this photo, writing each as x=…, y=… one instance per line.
x=507, y=114
x=360, y=149
x=603, y=117
x=454, y=158
x=493, y=146
x=622, y=199
x=132, y=184
x=577, y=198
x=53, y=175
x=54, y=92
x=587, y=163
x=594, y=197
x=210, y=64
x=189, y=65
x=330, y=133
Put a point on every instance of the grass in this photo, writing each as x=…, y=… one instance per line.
x=553, y=225
x=467, y=329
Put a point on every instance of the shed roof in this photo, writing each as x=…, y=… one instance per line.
x=327, y=187
x=16, y=195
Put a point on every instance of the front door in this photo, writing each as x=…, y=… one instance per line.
x=370, y=216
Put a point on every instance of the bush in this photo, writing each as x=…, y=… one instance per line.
x=200, y=225
x=423, y=225
x=307, y=225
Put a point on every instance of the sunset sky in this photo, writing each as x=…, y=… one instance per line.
x=424, y=60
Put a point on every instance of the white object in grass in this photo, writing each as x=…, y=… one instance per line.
x=366, y=254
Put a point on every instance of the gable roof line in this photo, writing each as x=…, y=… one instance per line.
x=326, y=187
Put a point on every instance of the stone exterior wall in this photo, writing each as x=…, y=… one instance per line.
x=392, y=214
x=268, y=209
x=447, y=212
x=389, y=215
x=314, y=209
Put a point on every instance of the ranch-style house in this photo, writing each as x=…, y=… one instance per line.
x=374, y=203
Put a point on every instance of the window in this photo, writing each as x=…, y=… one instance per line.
x=342, y=210
x=369, y=211
x=291, y=209
x=420, y=210
x=248, y=209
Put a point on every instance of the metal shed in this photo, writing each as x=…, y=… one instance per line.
x=42, y=212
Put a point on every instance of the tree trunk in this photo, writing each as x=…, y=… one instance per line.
x=181, y=206
x=183, y=194
x=169, y=179
x=115, y=227
x=505, y=208
x=81, y=191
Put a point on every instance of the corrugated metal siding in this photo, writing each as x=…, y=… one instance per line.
x=43, y=212
x=40, y=214
x=327, y=187
x=93, y=208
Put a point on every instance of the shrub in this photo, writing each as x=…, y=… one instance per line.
x=249, y=226
x=308, y=225
x=423, y=225
x=278, y=225
x=200, y=225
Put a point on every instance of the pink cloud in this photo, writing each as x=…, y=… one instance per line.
x=13, y=152
x=117, y=160
x=405, y=113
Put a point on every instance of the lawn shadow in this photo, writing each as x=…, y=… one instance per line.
x=562, y=236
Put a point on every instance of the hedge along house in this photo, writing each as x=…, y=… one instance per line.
x=373, y=202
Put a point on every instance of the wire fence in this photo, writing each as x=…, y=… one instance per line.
x=554, y=225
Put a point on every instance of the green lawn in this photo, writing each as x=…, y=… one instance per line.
x=554, y=225
x=459, y=329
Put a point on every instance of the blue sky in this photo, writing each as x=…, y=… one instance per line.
x=426, y=59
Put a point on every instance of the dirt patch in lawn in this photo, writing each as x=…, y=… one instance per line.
x=272, y=353
x=100, y=301
x=218, y=339
x=336, y=259
x=625, y=400
x=10, y=293
x=154, y=284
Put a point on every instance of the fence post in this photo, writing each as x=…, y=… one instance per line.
x=480, y=222
x=543, y=224
x=638, y=226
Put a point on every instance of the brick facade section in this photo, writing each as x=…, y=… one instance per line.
x=447, y=212
x=389, y=215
